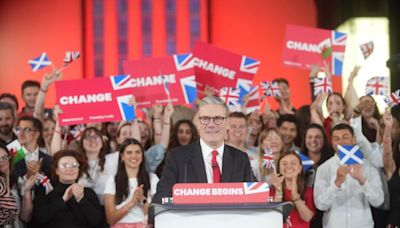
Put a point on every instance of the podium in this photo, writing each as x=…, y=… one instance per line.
x=219, y=215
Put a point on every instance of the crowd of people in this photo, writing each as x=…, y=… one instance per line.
x=110, y=173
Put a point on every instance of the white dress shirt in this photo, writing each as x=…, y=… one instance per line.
x=349, y=205
x=207, y=156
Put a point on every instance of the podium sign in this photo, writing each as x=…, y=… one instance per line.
x=221, y=193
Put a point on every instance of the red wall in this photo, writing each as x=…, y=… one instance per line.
x=256, y=28
x=27, y=28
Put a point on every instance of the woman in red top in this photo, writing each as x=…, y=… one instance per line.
x=289, y=185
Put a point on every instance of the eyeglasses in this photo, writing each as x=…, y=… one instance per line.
x=26, y=130
x=5, y=158
x=73, y=165
x=218, y=120
x=92, y=137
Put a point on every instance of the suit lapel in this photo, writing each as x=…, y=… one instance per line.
x=197, y=162
x=227, y=165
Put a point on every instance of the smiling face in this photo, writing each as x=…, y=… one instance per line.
x=132, y=156
x=288, y=132
x=335, y=104
x=342, y=137
x=237, y=130
x=314, y=140
x=273, y=141
x=67, y=170
x=290, y=166
x=212, y=133
x=92, y=142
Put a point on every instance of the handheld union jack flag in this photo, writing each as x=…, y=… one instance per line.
x=39, y=62
x=71, y=56
x=77, y=131
x=393, y=99
x=230, y=96
x=270, y=89
x=350, y=155
x=322, y=85
x=268, y=159
x=249, y=65
x=367, y=49
x=377, y=86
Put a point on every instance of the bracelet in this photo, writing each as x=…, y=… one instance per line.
x=279, y=194
x=44, y=91
x=386, y=141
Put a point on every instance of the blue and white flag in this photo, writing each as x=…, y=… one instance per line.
x=126, y=107
x=350, y=155
x=305, y=161
x=39, y=62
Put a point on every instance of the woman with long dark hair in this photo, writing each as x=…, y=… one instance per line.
x=126, y=196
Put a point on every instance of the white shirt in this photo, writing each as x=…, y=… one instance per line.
x=111, y=163
x=136, y=213
x=349, y=205
x=31, y=156
x=97, y=180
x=207, y=156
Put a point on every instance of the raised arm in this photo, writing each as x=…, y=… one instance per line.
x=157, y=123
x=314, y=69
x=350, y=95
x=57, y=143
x=315, y=110
x=388, y=161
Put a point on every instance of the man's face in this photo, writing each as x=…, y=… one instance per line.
x=288, y=132
x=213, y=124
x=6, y=122
x=285, y=90
x=27, y=134
x=237, y=129
x=342, y=137
x=29, y=96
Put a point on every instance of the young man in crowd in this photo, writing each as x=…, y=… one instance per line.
x=285, y=105
x=7, y=120
x=288, y=129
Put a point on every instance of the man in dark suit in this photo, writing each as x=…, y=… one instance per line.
x=203, y=161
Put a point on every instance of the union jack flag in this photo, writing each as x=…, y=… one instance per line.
x=255, y=187
x=322, y=85
x=377, y=86
x=183, y=61
x=268, y=159
x=305, y=161
x=249, y=65
x=367, y=49
x=121, y=81
x=230, y=96
x=338, y=48
x=393, y=99
x=189, y=89
x=77, y=131
x=350, y=155
x=71, y=56
x=39, y=62
x=252, y=92
x=270, y=89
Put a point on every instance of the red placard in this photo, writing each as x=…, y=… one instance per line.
x=221, y=193
x=304, y=45
x=94, y=100
x=148, y=76
x=219, y=68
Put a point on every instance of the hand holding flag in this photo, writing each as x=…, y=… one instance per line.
x=270, y=89
x=268, y=160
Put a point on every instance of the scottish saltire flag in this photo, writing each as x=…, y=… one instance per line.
x=350, y=155
x=77, y=131
x=230, y=96
x=338, y=48
x=249, y=65
x=188, y=85
x=255, y=187
x=71, y=56
x=123, y=81
x=39, y=62
x=393, y=99
x=377, y=86
x=45, y=182
x=270, y=89
x=268, y=160
x=305, y=161
x=252, y=92
x=126, y=108
x=183, y=61
x=322, y=85
x=367, y=49
x=16, y=151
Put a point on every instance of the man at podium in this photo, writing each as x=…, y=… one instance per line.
x=208, y=160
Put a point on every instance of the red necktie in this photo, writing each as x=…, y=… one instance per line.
x=215, y=167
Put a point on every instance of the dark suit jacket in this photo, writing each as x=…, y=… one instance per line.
x=20, y=167
x=186, y=165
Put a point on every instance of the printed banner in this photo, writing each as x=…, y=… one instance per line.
x=219, y=68
x=95, y=100
x=221, y=193
x=156, y=80
x=305, y=46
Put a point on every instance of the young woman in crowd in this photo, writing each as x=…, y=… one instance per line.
x=69, y=204
x=255, y=125
x=289, y=185
x=127, y=194
x=270, y=140
x=370, y=116
x=48, y=131
x=183, y=133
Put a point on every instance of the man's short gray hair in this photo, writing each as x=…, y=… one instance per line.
x=214, y=100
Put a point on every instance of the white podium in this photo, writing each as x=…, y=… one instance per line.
x=218, y=215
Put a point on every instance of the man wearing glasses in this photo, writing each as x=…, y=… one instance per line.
x=29, y=132
x=208, y=160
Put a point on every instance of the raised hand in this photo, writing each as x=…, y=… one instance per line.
x=67, y=194
x=276, y=181
x=77, y=191
x=30, y=182
x=33, y=167
x=341, y=173
x=354, y=73
x=357, y=173
x=387, y=118
x=48, y=79
x=169, y=110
